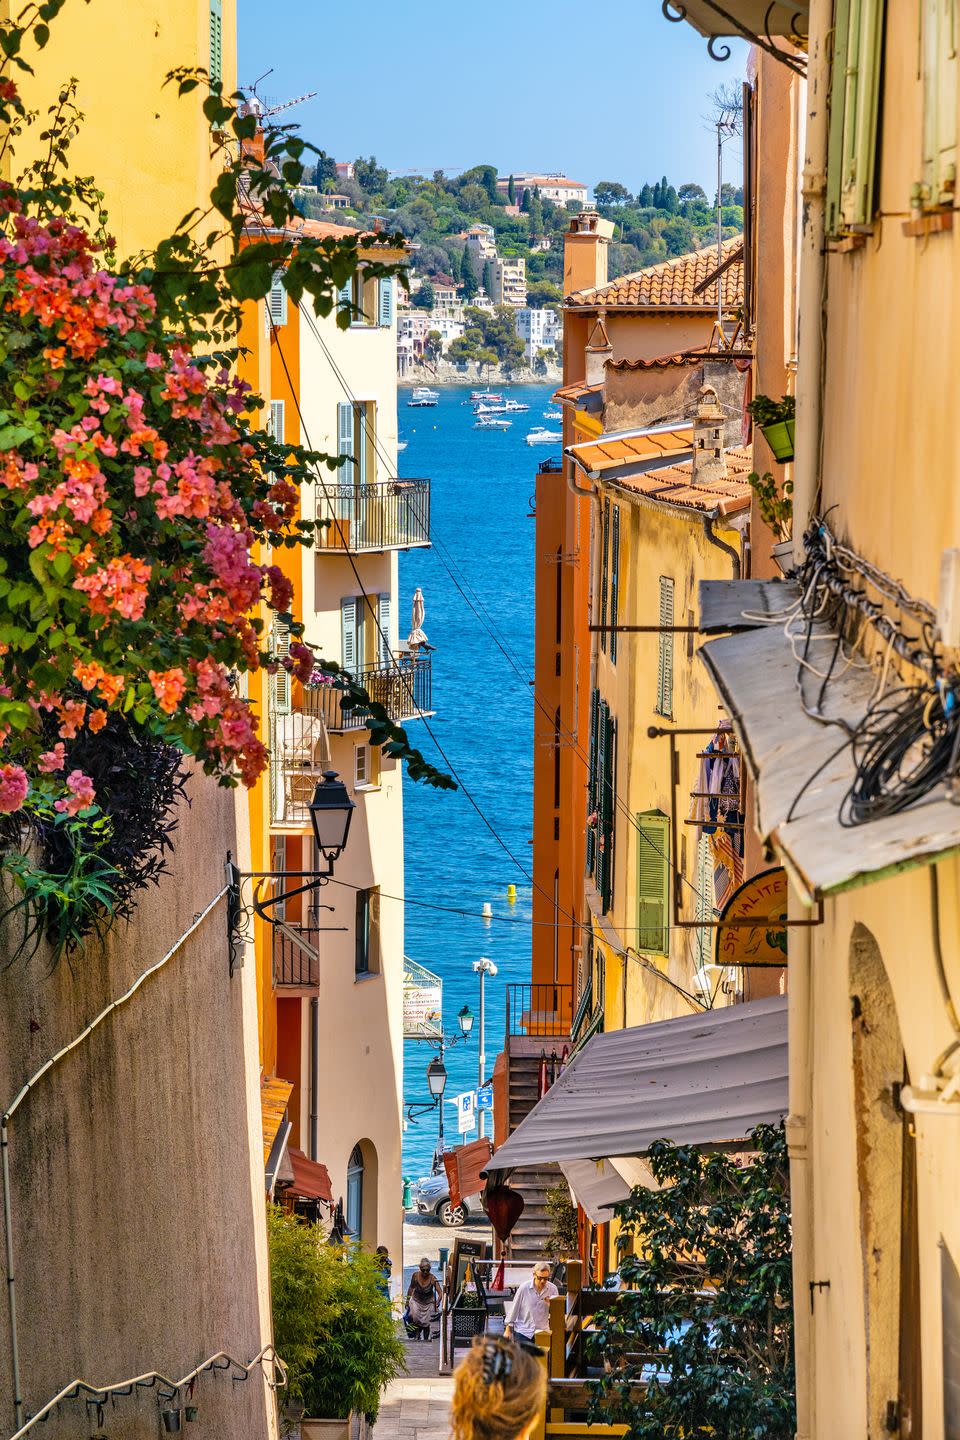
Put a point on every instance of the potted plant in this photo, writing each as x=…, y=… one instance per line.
x=775, y=504
x=562, y=1241
x=333, y=1328
x=777, y=420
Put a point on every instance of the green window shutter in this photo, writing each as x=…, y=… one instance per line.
x=939, y=51
x=854, y=113
x=592, y=782
x=604, y=567
x=614, y=581
x=277, y=303
x=280, y=697
x=665, y=657
x=216, y=40
x=603, y=728
x=653, y=883
x=385, y=302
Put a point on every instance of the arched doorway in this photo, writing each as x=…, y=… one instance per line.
x=362, y=1205
x=355, y=1169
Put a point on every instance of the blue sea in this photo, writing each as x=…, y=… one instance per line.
x=482, y=529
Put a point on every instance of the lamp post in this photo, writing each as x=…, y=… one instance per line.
x=483, y=968
x=437, y=1073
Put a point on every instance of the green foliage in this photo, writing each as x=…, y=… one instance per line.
x=710, y=1286
x=332, y=1326
x=610, y=192
x=562, y=1240
x=425, y=296
x=470, y=284
x=771, y=412
x=774, y=502
x=543, y=292
x=490, y=337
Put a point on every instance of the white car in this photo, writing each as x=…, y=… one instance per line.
x=432, y=1197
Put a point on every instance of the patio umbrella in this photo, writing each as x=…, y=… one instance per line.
x=416, y=636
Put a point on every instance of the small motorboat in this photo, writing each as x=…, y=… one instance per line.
x=540, y=435
x=490, y=422
x=402, y=445
x=552, y=415
x=485, y=395
x=514, y=407
x=423, y=397
x=484, y=409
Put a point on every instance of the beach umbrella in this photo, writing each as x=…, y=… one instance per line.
x=419, y=612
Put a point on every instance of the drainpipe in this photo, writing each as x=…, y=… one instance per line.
x=314, y=1074
x=800, y=1039
x=812, y=283
x=708, y=524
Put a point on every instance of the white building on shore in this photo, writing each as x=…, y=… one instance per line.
x=538, y=329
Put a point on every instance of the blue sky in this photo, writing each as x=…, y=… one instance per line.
x=607, y=90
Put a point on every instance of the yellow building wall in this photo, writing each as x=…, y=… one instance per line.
x=147, y=150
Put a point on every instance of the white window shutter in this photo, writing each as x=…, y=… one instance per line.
x=345, y=440
x=278, y=300
x=385, y=317
x=361, y=412
x=384, y=607
x=277, y=425
x=280, y=682
x=348, y=626
x=345, y=299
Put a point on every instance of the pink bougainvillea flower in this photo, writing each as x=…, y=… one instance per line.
x=13, y=788
x=82, y=794
x=52, y=760
x=168, y=686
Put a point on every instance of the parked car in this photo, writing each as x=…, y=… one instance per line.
x=432, y=1197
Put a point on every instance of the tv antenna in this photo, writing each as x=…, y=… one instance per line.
x=255, y=106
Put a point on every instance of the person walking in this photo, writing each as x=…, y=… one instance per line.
x=529, y=1310
x=499, y=1392
x=385, y=1266
x=423, y=1300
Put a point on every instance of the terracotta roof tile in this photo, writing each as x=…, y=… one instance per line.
x=682, y=357
x=611, y=451
x=576, y=392
x=673, y=485
x=670, y=285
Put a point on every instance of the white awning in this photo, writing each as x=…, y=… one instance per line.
x=804, y=766
x=598, y=1185
x=703, y=1079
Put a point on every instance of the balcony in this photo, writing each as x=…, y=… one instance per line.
x=388, y=515
x=539, y=1010
x=296, y=957
x=299, y=735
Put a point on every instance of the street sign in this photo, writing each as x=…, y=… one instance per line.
x=485, y=1096
x=466, y=1111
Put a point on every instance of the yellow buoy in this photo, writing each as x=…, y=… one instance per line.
x=512, y=894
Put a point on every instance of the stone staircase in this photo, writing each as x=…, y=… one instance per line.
x=526, y=1242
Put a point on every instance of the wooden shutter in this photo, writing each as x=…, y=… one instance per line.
x=362, y=430
x=854, y=113
x=939, y=51
x=383, y=637
x=604, y=567
x=592, y=782
x=705, y=900
x=350, y=638
x=277, y=425
x=603, y=715
x=608, y=809
x=345, y=300
x=665, y=658
x=277, y=304
x=216, y=40
x=653, y=883
x=385, y=302
x=345, y=441
x=280, y=682
x=362, y=955
x=614, y=581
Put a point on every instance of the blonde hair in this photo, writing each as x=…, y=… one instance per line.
x=502, y=1407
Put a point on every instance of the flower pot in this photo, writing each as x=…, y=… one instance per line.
x=782, y=553
x=355, y=1427
x=780, y=439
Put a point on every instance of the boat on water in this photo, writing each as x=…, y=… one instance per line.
x=540, y=435
x=552, y=415
x=484, y=409
x=402, y=444
x=485, y=395
x=490, y=422
x=514, y=407
x=423, y=397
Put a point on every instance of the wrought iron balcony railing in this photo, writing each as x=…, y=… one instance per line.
x=296, y=959
x=388, y=515
x=299, y=743
x=539, y=1010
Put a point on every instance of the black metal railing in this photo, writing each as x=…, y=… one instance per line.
x=539, y=1009
x=404, y=689
x=296, y=956
x=388, y=515
x=550, y=466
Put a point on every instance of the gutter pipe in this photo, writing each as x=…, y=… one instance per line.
x=708, y=523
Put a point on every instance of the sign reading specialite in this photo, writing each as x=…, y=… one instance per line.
x=762, y=899
x=422, y=1001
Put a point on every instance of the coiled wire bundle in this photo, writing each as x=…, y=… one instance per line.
x=905, y=745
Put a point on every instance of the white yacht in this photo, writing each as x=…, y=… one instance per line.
x=402, y=444
x=492, y=395
x=490, y=422
x=540, y=435
x=484, y=409
x=514, y=407
x=552, y=415
x=423, y=397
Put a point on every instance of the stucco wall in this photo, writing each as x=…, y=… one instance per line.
x=136, y=1165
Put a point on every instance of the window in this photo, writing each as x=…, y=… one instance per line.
x=592, y=783
x=216, y=40
x=854, y=114
x=653, y=882
x=356, y=436
x=614, y=581
x=277, y=300
x=939, y=51
x=385, y=302
x=278, y=861
x=604, y=565
x=367, y=958
x=352, y=611
x=276, y=425
x=366, y=767
x=665, y=659
x=354, y=1215
x=280, y=682
x=556, y=759
x=366, y=302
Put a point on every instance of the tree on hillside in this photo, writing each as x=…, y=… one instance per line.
x=324, y=170
x=433, y=346
x=689, y=192
x=525, y=202
x=370, y=176
x=543, y=292
x=469, y=283
x=455, y=263
x=424, y=297
x=671, y=202
x=488, y=278
x=611, y=192
x=511, y=192
x=646, y=197
x=474, y=199
x=535, y=213
x=679, y=235
x=497, y=332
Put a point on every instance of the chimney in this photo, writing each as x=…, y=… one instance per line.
x=253, y=149
x=585, y=251
x=709, y=463
x=597, y=352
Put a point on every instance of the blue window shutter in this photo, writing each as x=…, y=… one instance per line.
x=345, y=299
x=216, y=40
x=614, y=581
x=348, y=626
x=383, y=637
x=385, y=317
x=345, y=445
x=277, y=303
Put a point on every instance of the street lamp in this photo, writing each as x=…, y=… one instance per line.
x=436, y=1078
x=483, y=968
x=331, y=811
x=465, y=1019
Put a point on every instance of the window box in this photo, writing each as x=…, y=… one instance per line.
x=780, y=438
